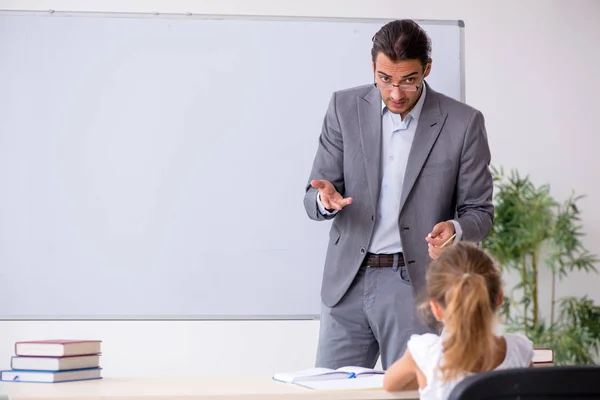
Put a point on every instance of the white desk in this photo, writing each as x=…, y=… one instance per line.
x=188, y=388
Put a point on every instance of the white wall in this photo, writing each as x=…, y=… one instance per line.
x=531, y=67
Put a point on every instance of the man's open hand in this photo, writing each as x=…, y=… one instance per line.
x=330, y=198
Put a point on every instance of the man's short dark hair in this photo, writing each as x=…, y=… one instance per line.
x=402, y=40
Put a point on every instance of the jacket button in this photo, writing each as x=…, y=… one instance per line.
x=363, y=250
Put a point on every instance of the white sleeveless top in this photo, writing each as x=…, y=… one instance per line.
x=426, y=350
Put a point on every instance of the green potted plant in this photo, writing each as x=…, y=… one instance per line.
x=532, y=230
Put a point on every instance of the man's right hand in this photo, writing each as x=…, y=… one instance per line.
x=330, y=198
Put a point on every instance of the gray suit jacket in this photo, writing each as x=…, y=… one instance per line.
x=447, y=177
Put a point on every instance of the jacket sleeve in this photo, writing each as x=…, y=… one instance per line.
x=328, y=163
x=475, y=184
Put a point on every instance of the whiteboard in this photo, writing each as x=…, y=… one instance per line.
x=153, y=167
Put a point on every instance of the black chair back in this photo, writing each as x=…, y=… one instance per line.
x=541, y=383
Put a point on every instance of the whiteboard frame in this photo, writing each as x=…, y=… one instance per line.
x=188, y=15
x=128, y=14
x=307, y=317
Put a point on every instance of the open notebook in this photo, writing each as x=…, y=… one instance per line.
x=326, y=374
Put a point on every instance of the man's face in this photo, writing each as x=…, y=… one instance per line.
x=403, y=75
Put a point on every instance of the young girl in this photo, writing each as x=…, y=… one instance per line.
x=464, y=291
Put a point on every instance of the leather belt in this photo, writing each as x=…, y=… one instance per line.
x=382, y=260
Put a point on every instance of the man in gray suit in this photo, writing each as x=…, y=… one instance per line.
x=400, y=169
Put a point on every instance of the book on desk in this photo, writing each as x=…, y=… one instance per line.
x=53, y=361
x=318, y=374
x=543, y=357
x=344, y=378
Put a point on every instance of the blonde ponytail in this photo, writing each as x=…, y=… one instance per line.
x=470, y=344
x=465, y=282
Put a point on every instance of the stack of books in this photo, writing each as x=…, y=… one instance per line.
x=53, y=361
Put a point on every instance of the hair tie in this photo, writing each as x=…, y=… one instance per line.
x=466, y=275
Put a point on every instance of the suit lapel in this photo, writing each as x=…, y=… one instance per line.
x=428, y=130
x=369, y=116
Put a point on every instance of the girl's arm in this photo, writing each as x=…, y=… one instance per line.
x=401, y=375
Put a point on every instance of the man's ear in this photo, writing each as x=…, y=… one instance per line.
x=500, y=299
x=428, y=68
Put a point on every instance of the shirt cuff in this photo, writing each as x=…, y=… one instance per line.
x=457, y=230
x=322, y=209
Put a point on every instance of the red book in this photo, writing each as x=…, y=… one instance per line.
x=57, y=348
